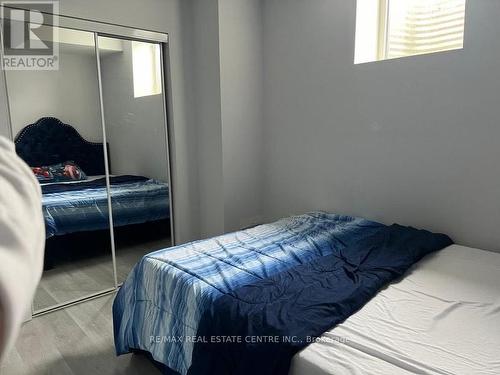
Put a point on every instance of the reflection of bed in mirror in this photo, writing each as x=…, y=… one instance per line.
x=72, y=207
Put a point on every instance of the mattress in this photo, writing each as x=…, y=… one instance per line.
x=442, y=318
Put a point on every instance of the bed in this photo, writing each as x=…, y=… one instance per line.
x=342, y=295
x=78, y=206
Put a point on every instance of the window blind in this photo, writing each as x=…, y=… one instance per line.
x=424, y=26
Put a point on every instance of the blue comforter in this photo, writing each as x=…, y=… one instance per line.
x=246, y=302
x=83, y=206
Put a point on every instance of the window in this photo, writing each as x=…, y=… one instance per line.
x=387, y=29
x=146, y=68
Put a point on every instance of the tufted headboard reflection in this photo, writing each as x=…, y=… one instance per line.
x=49, y=141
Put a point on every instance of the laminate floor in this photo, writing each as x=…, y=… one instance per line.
x=75, y=341
x=78, y=340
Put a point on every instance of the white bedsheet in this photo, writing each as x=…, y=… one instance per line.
x=442, y=318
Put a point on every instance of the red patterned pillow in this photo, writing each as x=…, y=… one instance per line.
x=43, y=174
x=67, y=171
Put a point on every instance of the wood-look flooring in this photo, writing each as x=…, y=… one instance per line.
x=85, y=276
x=75, y=341
x=78, y=340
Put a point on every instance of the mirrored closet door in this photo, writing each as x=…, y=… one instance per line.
x=56, y=122
x=134, y=118
x=94, y=132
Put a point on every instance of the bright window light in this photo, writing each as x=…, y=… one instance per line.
x=387, y=29
x=146, y=68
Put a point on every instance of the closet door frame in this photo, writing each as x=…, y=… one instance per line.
x=106, y=29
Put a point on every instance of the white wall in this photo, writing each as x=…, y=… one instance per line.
x=414, y=140
x=36, y=94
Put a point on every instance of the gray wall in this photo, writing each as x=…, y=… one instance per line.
x=167, y=16
x=216, y=124
x=36, y=94
x=241, y=67
x=205, y=111
x=225, y=97
x=135, y=129
x=414, y=140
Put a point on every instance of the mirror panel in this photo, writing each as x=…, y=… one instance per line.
x=64, y=107
x=135, y=122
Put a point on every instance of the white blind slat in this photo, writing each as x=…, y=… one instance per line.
x=424, y=26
